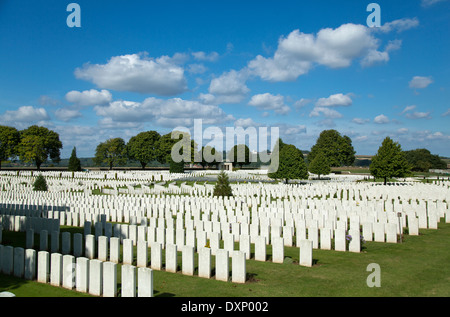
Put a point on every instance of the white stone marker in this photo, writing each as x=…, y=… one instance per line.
x=367, y=231
x=187, y=260
x=145, y=282
x=127, y=252
x=204, y=262
x=156, y=256
x=77, y=245
x=355, y=242
x=313, y=235
x=7, y=260
x=171, y=258
x=43, y=267
x=244, y=245
x=114, y=249
x=378, y=231
x=30, y=264
x=413, y=226
x=69, y=271
x=128, y=280
x=142, y=253
x=391, y=233
x=325, y=238
x=306, y=247
x=89, y=249
x=56, y=269
x=66, y=245
x=19, y=262
x=277, y=250
x=95, y=277
x=109, y=279
x=260, y=248
x=238, y=267
x=222, y=265
x=103, y=248
x=82, y=275
x=29, y=238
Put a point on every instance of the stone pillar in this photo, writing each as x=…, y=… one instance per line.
x=82, y=275
x=19, y=262
x=238, y=267
x=56, y=269
x=171, y=258
x=204, y=263
x=95, y=277
x=306, y=247
x=109, y=279
x=30, y=264
x=145, y=282
x=187, y=261
x=43, y=267
x=128, y=280
x=222, y=265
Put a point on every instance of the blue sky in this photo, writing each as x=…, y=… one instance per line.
x=301, y=66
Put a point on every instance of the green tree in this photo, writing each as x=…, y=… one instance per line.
x=291, y=164
x=320, y=165
x=185, y=148
x=210, y=157
x=222, y=187
x=421, y=160
x=40, y=184
x=337, y=149
x=9, y=140
x=143, y=147
x=390, y=161
x=39, y=143
x=240, y=155
x=74, y=161
x=112, y=152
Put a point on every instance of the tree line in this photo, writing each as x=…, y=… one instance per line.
x=38, y=144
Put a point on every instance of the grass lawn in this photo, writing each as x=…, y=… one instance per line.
x=418, y=267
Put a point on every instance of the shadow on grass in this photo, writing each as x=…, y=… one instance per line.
x=8, y=283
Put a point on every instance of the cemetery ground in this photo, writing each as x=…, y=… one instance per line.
x=417, y=267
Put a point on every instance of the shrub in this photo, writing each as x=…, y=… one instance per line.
x=40, y=184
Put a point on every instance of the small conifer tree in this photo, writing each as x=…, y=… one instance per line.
x=223, y=187
x=40, y=184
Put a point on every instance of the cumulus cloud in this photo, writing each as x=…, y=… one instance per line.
x=89, y=97
x=66, y=114
x=399, y=25
x=360, y=120
x=420, y=82
x=418, y=115
x=137, y=73
x=228, y=88
x=245, y=123
x=326, y=112
x=337, y=100
x=381, y=119
x=335, y=48
x=168, y=113
x=25, y=114
x=202, y=56
x=302, y=103
x=268, y=101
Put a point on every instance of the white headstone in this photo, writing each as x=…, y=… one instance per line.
x=109, y=279
x=145, y=282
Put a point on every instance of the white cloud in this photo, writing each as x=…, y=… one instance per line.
x=245, y=123
x=335, y=48
x=301, y=103
x=447, y=113
x=337, y=100
x=361, y=138
x=66, y=114
x=408, y=108
x=403, y=130
x=429, y=3
x=399, y=25
x=89, y=97
x=420, y=82
x=360, y=120
x=197, y=68
x=229, y=87
x=268, y=101
x=25, y=114
x=418, y=115
x=202, y=56
x=381, y=119
x=326, y=112
x=137, y=73
x=169, y=113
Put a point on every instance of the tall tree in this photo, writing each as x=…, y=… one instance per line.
x=320, y=165
x=210, y=157
x=38, y=144
x=112, y=152
x=74, y=161
x=222, y=187
x=390, y=161
x=337, y=149
x=240, y=155
x=291, y=164
x=421, y=160
x=9, y=140
x=143, y=147
x=181, y=145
